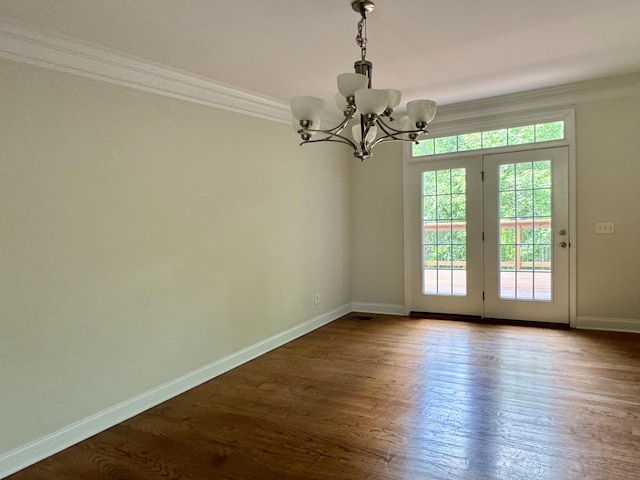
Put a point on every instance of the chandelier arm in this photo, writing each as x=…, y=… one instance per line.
x=392, y=134
x=330, y=131
x=390, y=138
x=385, y=127
x=338, y=128
x=334, y=138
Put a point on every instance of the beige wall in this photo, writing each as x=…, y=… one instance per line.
x=143, y=237
x=377, y=242
x=608, y=175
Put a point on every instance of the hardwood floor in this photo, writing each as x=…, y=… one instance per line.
x=391, y=398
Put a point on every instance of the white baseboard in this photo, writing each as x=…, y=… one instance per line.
x=55, y=442
x=611, y=324
x=381, y=308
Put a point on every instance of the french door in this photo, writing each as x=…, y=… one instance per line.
x=490, y=236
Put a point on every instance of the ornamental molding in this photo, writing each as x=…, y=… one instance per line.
x=33, y=46
x=65, y=54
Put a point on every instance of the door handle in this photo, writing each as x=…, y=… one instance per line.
x=563, y=244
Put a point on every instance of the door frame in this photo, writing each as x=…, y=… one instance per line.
x=506, y=120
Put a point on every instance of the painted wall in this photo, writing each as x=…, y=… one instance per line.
x=377, y=241
x=143, y=237
x=608, y=174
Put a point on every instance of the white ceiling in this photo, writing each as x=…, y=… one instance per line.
x=446, y=50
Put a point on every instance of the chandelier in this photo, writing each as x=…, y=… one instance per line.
x=367, y=112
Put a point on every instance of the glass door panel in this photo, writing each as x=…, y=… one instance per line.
x=526, y=257
x=525, y=230
x=444, y=232
x=446, y=248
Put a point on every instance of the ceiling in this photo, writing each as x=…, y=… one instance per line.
x=446, y=50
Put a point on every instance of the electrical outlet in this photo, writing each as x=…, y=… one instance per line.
x=316, y=298
x=605, y=228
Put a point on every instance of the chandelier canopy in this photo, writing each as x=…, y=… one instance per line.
x=367, y=111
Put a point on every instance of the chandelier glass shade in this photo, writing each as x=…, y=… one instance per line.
x=367, y=111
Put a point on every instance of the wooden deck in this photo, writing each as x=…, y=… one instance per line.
x=521, y=285
x=391, y=398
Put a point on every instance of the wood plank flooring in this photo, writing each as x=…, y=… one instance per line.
x=392, y=398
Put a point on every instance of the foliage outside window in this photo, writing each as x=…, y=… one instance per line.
x=504, y=137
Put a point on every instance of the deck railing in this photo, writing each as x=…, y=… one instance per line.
x=543, y=252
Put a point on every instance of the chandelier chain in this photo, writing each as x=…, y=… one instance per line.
x=361, y=38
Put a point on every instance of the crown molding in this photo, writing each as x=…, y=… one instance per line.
x=26, y=44
x=550, y=97
x=58, y=52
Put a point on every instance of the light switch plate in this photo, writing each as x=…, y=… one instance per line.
x=605, y=228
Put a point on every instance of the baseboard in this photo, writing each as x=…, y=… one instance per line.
x=631, y=325
x=380, y=308
x=55, y=442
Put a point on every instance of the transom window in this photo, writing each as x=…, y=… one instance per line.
x=504, y=137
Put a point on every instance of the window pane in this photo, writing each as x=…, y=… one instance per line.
x=507, y=285
x=459, y=234
x=429, y=212
x=507, y=257
x=524, y=203
x=542, y=286
x=428, y=183
x=526, y=134
x=542, y=174
x=444, y=237
x=525, y=239
x=542, y=257
x=458, y=207
x=549, y=131
x=470, y=141
x=423, y=147
x=524, y=285
x=507, y=204
x=507, y=177
x=526, y=232
x=444, y=207
x=458, y=180
x=522, y=135
x=542, y=202
x=446, y=145
x=524, y=175
x=459, y=256
x=444, y=234
x=444, y=256
x=430, y=234
x=494, y=138
x=430, y=256
x=542, y=235
x=526, y=257
x=507, y=233
x=443, y=185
